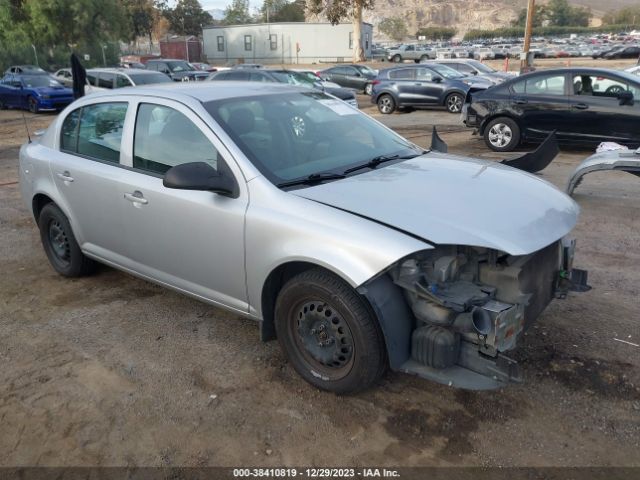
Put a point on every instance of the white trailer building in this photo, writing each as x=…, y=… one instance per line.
x=287, y=42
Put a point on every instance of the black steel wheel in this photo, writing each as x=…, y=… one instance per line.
x=60, y=244
x=328, y=333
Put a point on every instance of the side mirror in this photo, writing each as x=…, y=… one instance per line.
x=473, y=72
x=358, y=74
x=437, y=79
x=625, y=98
x=201, y=176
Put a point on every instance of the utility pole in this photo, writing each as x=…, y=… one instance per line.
x=527, y=34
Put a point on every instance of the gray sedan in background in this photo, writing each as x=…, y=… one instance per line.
x=352, y=246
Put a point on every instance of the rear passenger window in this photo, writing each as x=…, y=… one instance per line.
x=403, y=74
x=165, y=138
x=100, y=132
x=545, y=85
x=69, y=135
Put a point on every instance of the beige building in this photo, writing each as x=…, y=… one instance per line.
x=290, y=42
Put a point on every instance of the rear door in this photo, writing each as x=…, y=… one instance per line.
x=405, y=84
x=86, y=169
x=541, y=103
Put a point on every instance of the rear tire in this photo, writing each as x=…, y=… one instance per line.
x=502, y=134
x=328, y=333
x=386, y=104
x=60, y=244
x=2, y=105
x=368, y=89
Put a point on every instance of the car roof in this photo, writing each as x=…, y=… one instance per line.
x=122, y=70
x=166, y=60
x=205, y=91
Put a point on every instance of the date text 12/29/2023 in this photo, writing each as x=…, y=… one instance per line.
x=315, y=473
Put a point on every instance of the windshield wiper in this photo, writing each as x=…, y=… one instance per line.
x=312, y=179
x=375, y=161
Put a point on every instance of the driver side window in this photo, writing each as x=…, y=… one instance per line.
x=165, y=138
x=598, y=86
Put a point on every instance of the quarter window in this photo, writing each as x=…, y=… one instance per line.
x=100, y=132
x=247, y=43
x=220, y=39
x=165, y=138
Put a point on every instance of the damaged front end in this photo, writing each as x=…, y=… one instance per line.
x=468, y=306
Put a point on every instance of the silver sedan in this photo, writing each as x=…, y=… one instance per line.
x=352, y=246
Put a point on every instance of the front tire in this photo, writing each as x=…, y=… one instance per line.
x=386, y=104
x=32, y=103
x=60, y=244
x=454, y=102
x=397, y=59
x=328, y=333
x=502, y=134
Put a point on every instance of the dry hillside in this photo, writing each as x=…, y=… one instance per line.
x=466, y=14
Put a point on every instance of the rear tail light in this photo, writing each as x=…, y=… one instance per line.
x=375, y=82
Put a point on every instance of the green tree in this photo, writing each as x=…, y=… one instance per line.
x=539, y=16
x=627, y=15
x=282, y=11
x=337, y=10
x=142, y=15
x=237, y=13
x=187, y=17
x=393, y=27
x=561, y=14
x=437, y=33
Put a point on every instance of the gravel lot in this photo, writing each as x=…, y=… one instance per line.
x=112, y=370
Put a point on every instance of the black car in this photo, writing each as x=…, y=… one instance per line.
x=582, y=105
x=359, y=77
x=178, y=70
x=627, y=52
x=422, y=86
x=607, y=51
x=283, y=76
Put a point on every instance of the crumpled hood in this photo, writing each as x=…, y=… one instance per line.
x=452, y=200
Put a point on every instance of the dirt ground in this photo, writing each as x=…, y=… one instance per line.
x=112, y=370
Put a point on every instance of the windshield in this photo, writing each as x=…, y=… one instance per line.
x=179, y=67
x=148, y=78
x=447, y=72
x=34, y=81
x=293, y=135
x=294, y=78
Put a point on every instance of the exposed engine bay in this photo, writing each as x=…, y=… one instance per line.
x=471, y=304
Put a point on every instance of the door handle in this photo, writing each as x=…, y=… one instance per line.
x=136, y=197
x=66, y=176
x=520, y=101
x=580, y=106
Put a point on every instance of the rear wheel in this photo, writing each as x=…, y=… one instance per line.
x=386, y=104
x=328, y=334
x=2, y=105
x=502, y=134
x=60, y=244
x=454, y=103
x=424, y=58
x=368, y=89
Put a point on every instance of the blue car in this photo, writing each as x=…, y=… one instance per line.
x=34, y=92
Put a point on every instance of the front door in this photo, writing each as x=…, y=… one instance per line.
x=596, y=111
x=191, y=240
